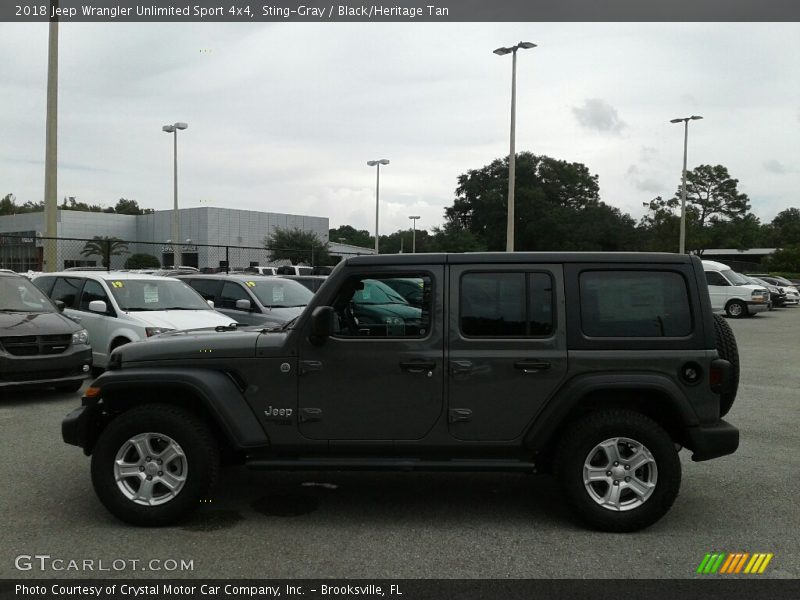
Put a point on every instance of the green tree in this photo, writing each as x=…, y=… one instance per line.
x=786, y=260
x=130, y=207
x=452, y=237
x=104, y=247
x=715, y=194
x=784, y=229
x=557, y=207
x=348, y=234
x=142, y=261
x=298, y=246
x=8, y=206
x=71, y=204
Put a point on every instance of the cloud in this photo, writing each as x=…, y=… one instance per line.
x=599, y=115
x=648, y=153
x=645, y=184
x=773, y=166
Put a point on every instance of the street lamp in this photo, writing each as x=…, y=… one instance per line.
x=685, y=120
x=414, y=233
x=512, y=153
x=173, y=129
x=377, y=163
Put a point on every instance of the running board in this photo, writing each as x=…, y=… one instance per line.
x=389, y=464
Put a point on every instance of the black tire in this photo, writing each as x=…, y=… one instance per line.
x=736, y=309
x=201, y=463
x=69, y=388
x=727, y=350
x=579, y=441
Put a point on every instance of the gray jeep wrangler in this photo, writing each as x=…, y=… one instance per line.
x=596, y=367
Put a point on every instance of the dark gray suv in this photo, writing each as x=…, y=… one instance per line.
x=597, y=368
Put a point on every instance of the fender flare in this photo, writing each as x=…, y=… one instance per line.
x=217, y=392
x=574, y=392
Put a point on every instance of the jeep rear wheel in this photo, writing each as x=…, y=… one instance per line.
x=619, y=470
x=154, y=464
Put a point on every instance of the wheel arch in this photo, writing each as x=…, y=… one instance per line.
x=212, y=395
x=653, y=395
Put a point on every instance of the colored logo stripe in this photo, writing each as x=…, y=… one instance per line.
x=736, y=562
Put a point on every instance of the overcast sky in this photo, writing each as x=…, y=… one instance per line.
x=283, y=117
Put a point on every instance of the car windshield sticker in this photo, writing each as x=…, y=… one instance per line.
x=250, y=283
x=117, y=284
x=277, y=294
x=151, y=294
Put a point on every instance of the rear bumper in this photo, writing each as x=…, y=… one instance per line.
x=712, y=441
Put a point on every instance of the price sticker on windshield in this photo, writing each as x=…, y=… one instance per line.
x=250, y=283
x=117, y=284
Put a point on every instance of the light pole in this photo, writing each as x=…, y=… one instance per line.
x=176, y=231
x=682, y=243
x=512, y=157
x=377, y=163
x=414, y=234
x=51, y=149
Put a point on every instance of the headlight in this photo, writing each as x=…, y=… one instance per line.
x=80, y=337
x=151, y=331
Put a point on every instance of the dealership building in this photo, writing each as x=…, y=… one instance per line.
x=205, y=234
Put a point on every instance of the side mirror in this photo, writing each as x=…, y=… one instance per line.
x=60, y=305
x=243, y=304
x=98, y=306
x=210, y=303
x=322, y=323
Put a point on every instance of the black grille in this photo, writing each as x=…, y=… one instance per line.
x=39, y=375
x=35, y=345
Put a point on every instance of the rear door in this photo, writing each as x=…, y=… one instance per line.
x=508, y=349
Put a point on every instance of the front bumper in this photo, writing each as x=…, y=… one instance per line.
x=757, y=307
x=712, y=441
x=45, y=370
x=80, y=427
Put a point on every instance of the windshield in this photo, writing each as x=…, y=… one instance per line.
x=20, y=295
x=376, y=292
x=280, y=293
x=735, y=278
x=156, y=294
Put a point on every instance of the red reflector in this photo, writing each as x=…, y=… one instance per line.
x=715, y=377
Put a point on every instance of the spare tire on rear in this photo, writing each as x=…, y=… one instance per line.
x=727, y=350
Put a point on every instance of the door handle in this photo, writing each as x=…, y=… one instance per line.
x=531, y=366
x=418, y=366
x=459, y=367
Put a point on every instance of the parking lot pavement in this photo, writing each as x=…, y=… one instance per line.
x=331, y=525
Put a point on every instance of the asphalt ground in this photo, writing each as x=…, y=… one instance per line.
x=399, y=525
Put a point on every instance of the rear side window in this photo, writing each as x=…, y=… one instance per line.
x=207, y=288
x=634, y=304
x=66, y=289
x=506, y=305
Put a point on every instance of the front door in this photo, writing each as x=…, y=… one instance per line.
x=380, y=376
x=508, y=348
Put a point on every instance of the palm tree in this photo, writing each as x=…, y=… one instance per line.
x=105, y=247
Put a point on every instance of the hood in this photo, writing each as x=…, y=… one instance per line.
x=180, y=319
x=38, y=323
x=194, y=345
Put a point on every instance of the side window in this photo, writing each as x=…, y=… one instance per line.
x=92, y=290
x=506, y=304
x=714, y=278
x=231, y=292
x=207, y=288
x=369, y=307
x=634, y=304
x=66, y=289
x=45, y=284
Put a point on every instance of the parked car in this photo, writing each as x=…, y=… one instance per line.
x=776, y=297
x=409, y=288
x=731, y=292
x=39, y=347
x=118, y=308
x=295, y=270
x=172, y=272
x=312, y=282
x=376, y=309
x=252, y=300
x=786, y=286
x=262, y=270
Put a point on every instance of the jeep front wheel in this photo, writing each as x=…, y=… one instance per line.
x=154, y=464
x=619, y=470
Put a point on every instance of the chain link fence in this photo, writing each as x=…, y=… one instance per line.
x=22, y=253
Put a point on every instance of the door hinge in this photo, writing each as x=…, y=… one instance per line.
x=458, y=415
x=310, y=366
x=310, y=414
